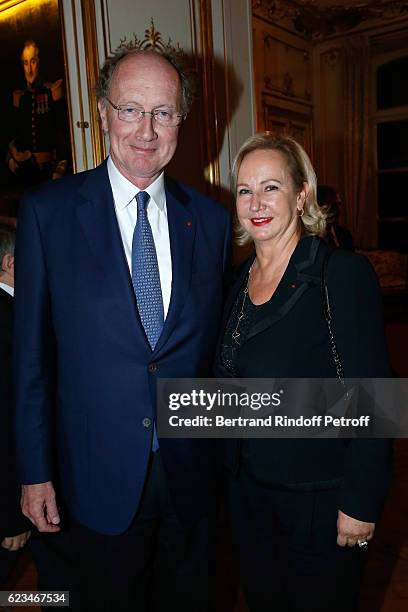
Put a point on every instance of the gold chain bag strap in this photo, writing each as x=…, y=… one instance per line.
x=328, y=317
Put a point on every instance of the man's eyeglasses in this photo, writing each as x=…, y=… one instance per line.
x=133, y=114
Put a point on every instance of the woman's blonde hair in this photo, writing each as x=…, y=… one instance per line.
x=301, y=171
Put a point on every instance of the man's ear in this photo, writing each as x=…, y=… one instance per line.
x=103, y=112
x=11, y=263
x=7, y=263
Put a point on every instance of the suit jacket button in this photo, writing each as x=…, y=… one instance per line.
x=147, y=422
x=152, y=367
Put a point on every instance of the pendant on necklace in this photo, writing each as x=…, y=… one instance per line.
x=235, y=336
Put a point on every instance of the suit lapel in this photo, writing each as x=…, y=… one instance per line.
x=294, y=283
x=182, y=230
x=96, y=214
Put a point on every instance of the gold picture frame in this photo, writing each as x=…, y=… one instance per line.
x=50, y=142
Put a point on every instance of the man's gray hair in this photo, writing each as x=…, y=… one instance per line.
x=177, y=60
x=7, y=240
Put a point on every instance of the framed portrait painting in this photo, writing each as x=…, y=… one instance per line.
x=35, y=143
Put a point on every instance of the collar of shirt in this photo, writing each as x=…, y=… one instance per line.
x=7, y=289
x=124, y=191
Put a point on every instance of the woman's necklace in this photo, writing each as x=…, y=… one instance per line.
x=236, y=334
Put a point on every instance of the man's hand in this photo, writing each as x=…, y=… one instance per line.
x=350, y=530
x=16, y=542
x=38, y=504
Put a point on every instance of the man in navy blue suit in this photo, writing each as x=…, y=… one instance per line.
x=119, y=281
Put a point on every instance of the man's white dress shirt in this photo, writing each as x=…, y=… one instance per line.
x=124, y=197
x=7, y=289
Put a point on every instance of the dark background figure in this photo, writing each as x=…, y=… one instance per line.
x=38, y=149
x=330, y=202
x=52, y=553
x=14, y=527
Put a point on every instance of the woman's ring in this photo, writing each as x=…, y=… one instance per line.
x=362, y=543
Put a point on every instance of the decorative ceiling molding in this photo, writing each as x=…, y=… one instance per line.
x=319, y=18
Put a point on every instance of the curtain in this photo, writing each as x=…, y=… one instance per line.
x=360, y=206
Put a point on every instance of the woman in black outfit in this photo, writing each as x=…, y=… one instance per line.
x=302, y=511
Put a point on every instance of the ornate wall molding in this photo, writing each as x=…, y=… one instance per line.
x=290, y=76
x=331, y=57
x=288, y=84
x=284, y=121
x=152, y=40
x=317, y=22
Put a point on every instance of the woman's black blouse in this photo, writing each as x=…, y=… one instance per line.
x=229, y=347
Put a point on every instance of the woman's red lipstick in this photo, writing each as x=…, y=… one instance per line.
x=258, y=221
